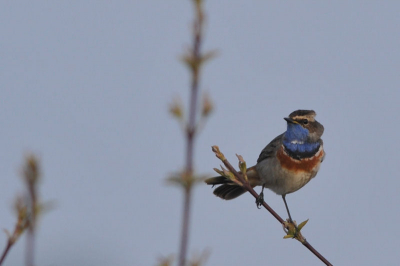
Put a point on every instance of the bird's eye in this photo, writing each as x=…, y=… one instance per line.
x=305, y=121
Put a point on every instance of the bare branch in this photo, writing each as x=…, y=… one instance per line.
x=292, y=230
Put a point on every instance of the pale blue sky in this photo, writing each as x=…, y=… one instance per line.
x=86, y=86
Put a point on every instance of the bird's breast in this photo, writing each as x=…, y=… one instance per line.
x=308, y=165
x=284, y=174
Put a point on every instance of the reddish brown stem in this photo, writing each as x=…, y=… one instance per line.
x=250, y=189
x=266, y=206
x=5, y=252
x=31, y=178
x=30, y=244
x=185, y=227
x=190, y=137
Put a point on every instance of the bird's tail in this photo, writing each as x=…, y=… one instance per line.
x=228, y=189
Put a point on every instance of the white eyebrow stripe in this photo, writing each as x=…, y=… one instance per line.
x=310, y=118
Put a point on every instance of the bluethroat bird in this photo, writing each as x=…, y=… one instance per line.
x=286, y=164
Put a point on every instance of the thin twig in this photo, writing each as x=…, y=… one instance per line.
x=247, y=186
x=31, y=175
x=5, y=252
x=191, y=131
x=30, y=240
x=30, y=244
x=27, y=209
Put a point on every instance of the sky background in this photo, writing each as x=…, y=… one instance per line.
x=86, y=86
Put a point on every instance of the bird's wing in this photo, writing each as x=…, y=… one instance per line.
x=271, y=149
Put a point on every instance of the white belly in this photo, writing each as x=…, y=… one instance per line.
x=283, y=181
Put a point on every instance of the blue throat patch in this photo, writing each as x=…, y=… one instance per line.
x=295, y=142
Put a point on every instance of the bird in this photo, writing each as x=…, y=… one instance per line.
x=286, y=164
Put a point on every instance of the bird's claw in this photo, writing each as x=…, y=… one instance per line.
x=260, y=200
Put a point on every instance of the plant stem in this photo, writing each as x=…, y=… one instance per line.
x=5, y=252
x=266, y=206
x=185, y=227
x=191, y=133
x=32, y=178
x=30, y=243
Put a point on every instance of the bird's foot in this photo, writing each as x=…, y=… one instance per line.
x=260, y=200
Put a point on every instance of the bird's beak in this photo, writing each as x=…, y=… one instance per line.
x=289, y=120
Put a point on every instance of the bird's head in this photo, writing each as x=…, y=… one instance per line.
x=302, y=127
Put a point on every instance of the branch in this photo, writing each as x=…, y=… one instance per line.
x=21, y=226
x=31, y=175
x=194, y=59
x=5, y=252
x=291, y=228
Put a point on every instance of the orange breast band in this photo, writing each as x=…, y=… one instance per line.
x=303, y=165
